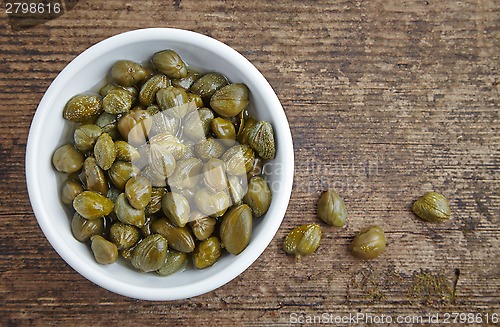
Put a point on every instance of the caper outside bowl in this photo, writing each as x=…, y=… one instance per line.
x=49, y=131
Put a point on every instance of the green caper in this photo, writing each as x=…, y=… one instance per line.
x=105, y=151
x=238, y=159
x=67, y=159
x=214, y=175
x=169, y=63
x=82, y=107
x=187, y=173
x=174, y=262
x=92, y=205
x=207, y=253
x=236, y=229
x=208, y=149
x=179, y=238
x=120, y=172
x=433, y=207
x=331, y=209
x=147, y=230
x=85, y=136
x=128, y=214
x=162, y=122
x=195, y=99
x=161, y=160
x=117, y=101
x=154, y=204
x=261, y=139
x=104, y=251
x=124, y=236
x=83, y=229
x=156, y=179
x=238, y=187
x=127, y=73
x=257, y=168
x=109, y=124
x=208, y=84
x=201, y=225
x=138, y=191
x=369, y=243
x=135, y=126
x=196, y=125
x=150, y=253
x=245, y=129
x=153, y=110
x=168, y=143
x=224, y=130
x=171, y=97
x=187, y=81
x=93, y=177
x=70, y=190
x=147, y=95
x=113, y=193
x=212, y=204
x=126, y=152
x=230, y=100
x=176, y=208
x=303, y=240
x=258, y=196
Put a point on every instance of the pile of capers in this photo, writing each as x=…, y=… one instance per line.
x=166, y=166
x=370, y=242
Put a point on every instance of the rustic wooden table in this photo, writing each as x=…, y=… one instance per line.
x=386, y=100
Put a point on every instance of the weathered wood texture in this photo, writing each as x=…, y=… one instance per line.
x=385, y=99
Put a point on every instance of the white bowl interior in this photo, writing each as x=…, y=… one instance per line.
x=49, y=130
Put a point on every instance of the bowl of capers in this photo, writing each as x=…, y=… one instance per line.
x=159, y=164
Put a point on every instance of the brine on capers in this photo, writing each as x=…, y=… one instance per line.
x=165, y=165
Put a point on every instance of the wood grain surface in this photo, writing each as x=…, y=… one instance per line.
x=385, y=99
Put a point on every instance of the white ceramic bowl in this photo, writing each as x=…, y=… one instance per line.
x=49, y=130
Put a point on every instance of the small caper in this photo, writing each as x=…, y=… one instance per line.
x=258, y=196
x=92, y=205
x=433, y=207
x=147, y=95
x=224, y=130
x=138, y=191
x=201, y=225
x=261, y=139
x=104, y=251
x=154, y=204
x=109, y=124
x=124, y=236
x=303, y=240
x=230, y=100
x=212, y=204
x=150, y=253
x=179, y=238
x=93, y=177
x=187, y=81
x=135, y=126
x=331, y=209
x=174, y=262
x=176, y=208
x=168, y=143
x=236, y=229
x=82, y=107
x=117, y=101
x=208, y=149
x=105, y=151
x=238, y=187
x=126, y=152
x=70, y=190
x=127, y=213
x=120, y=172
x=238, y=159
x=207, y=253
x=187, y=173
x=161, y=159
x=208, y=84
x=162, y=122
x=195, y=99
x=169, y=63
x=369, y=243
x=214, y=175
x=67, y=159
x=127, y=73
x=83, y=229
x=85, y=136
x=172, y=97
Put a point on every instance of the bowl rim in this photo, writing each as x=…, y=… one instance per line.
x=33, y=184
